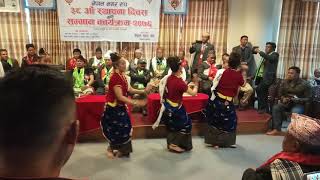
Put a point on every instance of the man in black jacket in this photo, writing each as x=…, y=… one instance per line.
x=245, y=50
x=201, y=50
x=266, y=74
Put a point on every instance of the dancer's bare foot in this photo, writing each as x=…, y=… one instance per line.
x=110, y=154
x=175, y=148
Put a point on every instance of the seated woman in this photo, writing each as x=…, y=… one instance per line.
x=220, y=112
x=83, y=79
x=300, y=154
x=175, y=117
x=115, y=122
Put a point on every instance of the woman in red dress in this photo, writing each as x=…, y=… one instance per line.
x=220, y=112
x=116, y=124
x=175, y=117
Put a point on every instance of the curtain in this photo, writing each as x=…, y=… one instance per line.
x=13, y=33
x=299, y=42
x=176, y=32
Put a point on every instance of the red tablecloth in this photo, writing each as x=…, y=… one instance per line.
x=191, y=103
x=89, y=112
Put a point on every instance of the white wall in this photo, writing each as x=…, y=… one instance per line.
x=258, y=19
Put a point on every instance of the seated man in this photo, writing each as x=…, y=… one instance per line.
x=158, y=66
x=8, y=64
x=247, y=90
x=295, y=93
x=140, y=77
x=300, y=153
x=96, y=61
x=137, y=55
x=83, y=79
x=44, y=57
x=37, y=140
x=207, y=71
x=31, y=57
x=71, y=63
x=185, y=65
x=315, y=81
x=104, y=74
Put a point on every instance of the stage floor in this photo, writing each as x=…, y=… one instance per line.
x=249, y=122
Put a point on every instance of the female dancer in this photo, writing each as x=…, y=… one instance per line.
x=175, y=116
x=221, y=114
x=116, y=124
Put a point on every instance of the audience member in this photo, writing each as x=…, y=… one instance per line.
x=300, y=153
x=294, y=94
x=104, y=74
x=245, y=50
x=137, y=55
x=2, y=73
x=159, y=66
x=8, y=64
x=44, y=57
x=31, y=57
x=225, y=61
x=124, y=56
x=96, y=62
x=201, y=50
x=246, y=90
x=83, y=78
x=140, y=77
x=71, y=63
x=207, y=71
x=266, y=74
x=185, y=65
x=315, y=81
x=38, y=127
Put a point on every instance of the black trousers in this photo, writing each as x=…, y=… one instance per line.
x=262, y=93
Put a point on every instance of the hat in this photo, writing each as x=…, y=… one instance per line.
x=138, y=51
x=206, y=34
x=142, y=61
x=305, y=129
x=107, y=54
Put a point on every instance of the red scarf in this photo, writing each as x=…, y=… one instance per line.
x=213, y=70
x=184, y=63
x=304, y=159
x=29, y=60
x=72, y=64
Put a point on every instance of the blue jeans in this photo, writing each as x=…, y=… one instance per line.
x=278, y=114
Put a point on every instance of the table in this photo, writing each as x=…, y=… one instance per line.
x=89, y=111
x=192, y=104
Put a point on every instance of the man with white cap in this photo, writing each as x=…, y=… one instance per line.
x=104, y=74
x=300, y=155
x=201, y=50
x=137, y=55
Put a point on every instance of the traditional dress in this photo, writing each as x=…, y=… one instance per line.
x=175, y=117
x=116, y=124
x=220, y=111
x=28, y=60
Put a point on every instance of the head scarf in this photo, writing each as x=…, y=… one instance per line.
x=305, y=129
